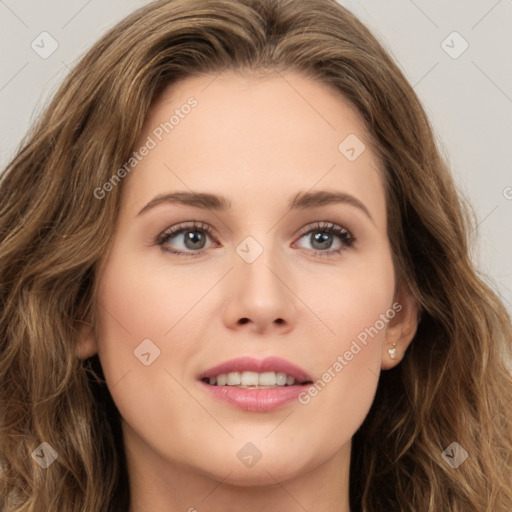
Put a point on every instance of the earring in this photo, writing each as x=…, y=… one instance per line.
x=393, y=352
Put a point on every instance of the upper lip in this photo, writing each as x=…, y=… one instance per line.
x=250, y=364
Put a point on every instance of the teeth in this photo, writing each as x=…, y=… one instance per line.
x=267, y=379
x=252, y=379
x=281, y=378
x=234, y=379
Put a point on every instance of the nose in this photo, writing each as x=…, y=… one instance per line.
x=259, y=296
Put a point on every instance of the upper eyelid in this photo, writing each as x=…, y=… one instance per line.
x=176, y=228
x=327, y=225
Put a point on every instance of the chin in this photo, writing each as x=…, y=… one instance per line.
x=271, y=467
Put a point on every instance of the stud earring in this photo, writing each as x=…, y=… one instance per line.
x=393, y=352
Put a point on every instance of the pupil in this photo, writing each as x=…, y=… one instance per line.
x=322, y=237
x=193, y=237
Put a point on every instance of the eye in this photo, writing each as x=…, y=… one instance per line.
x=194, y=239
x=322, y=234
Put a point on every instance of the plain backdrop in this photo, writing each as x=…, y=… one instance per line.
x=456, y=54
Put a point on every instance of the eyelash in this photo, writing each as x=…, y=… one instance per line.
x=343, y=234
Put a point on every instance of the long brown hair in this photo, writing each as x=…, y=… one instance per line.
x=452, y=385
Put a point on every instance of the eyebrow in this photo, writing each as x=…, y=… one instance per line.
x=301, y=201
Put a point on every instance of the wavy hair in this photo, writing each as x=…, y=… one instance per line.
x=453, y=383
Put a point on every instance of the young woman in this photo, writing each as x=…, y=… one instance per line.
x=235, y=276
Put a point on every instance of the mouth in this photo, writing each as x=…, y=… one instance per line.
x=250, y=373
x=255, y=385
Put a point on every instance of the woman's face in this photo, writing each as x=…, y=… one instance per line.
x=260, y=276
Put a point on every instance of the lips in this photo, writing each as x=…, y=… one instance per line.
x=250, y=364
x=279, y=383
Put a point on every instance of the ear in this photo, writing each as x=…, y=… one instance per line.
x=86, y=345
x=401, y=328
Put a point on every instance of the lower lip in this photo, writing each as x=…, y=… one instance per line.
x=256, y=400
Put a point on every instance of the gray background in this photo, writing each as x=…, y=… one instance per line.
x=468, y=98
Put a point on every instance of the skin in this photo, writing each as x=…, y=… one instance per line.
x=258, y=141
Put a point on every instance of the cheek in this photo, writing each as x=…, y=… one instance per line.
x=145, y=300
x=140, y=309
x=354, y=300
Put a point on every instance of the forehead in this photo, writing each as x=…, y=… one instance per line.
x=254, y=139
